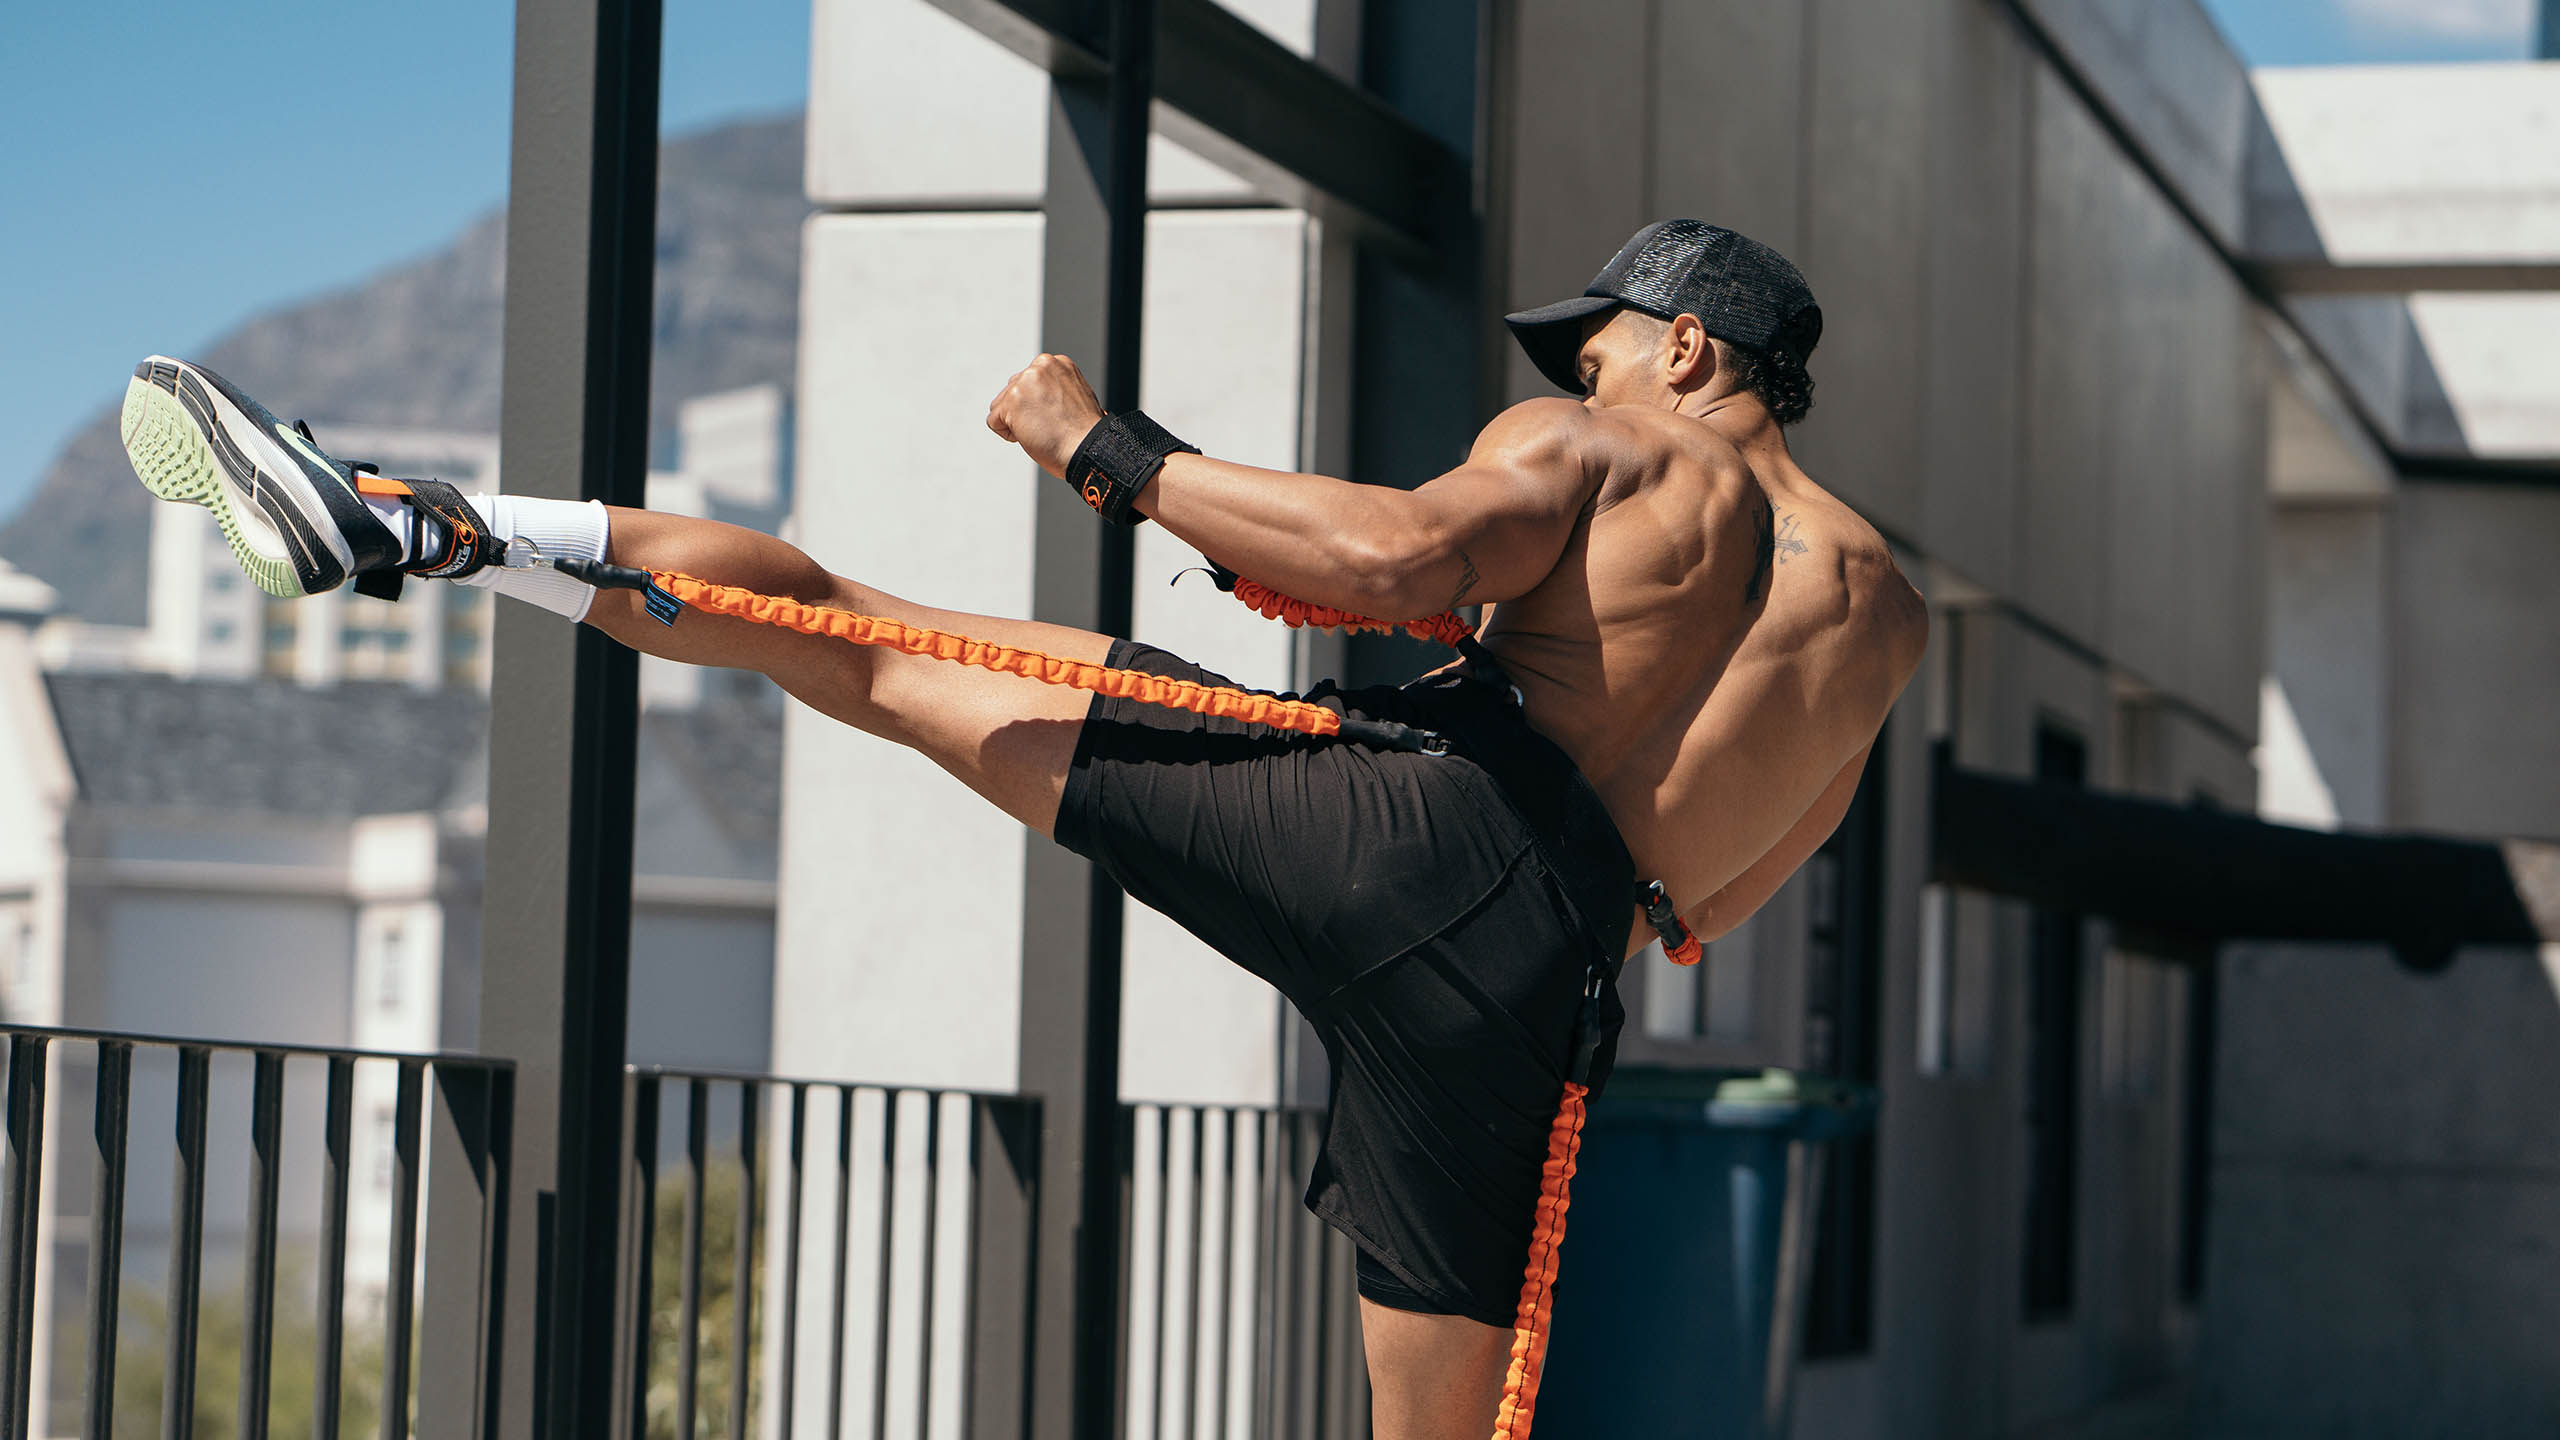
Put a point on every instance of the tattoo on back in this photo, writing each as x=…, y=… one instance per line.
x=1466, y=580
x=1789, y=543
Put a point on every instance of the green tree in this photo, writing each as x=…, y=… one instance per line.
x=720, y=1231
x=221, y=1333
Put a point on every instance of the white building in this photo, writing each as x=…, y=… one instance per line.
x=201, y=838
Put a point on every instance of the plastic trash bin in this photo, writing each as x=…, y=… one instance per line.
x=1679, y=1300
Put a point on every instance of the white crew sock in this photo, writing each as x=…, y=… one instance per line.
x=558, y=528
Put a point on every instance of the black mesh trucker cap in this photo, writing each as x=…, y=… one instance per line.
x=1742, y=291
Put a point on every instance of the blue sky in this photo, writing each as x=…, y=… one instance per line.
x=2347, y=32
x=174, y=169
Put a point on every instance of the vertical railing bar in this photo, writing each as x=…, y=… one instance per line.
x=976, y=1236
x=258, y=1288
x=1191, y=1322
x=697, y=1126
x=336, y=1136
x=844, y=1243
x=1164, y=1270
x=1319, y=1259
x=1288, y=1324
x=888, y=1222
x=1124, y=1300
x=628, y=1309
x=498, y=1162
x=1226, y=1269
x=108, y=1118
x=1266, y=1298
x=743, y=1273
x=969, y=1266
x=643, y=1210
x=790, y=1368
x=1290, y=1333
x=1306, y=1251
x=932, y=1203
x=20, y=1202
x=337, y=1128
x=401, y=1300
x=186, y=1247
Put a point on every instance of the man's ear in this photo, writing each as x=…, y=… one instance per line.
x=1689, y=361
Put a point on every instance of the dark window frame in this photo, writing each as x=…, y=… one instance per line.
x=2056, y=962
x=1844, y=1032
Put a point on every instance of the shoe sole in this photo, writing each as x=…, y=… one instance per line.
x=270, y=512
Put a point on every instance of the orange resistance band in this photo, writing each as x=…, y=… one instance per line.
x=1188, y=695
x=1537, y=1289
x=1445, y=627
x=1564, y=1142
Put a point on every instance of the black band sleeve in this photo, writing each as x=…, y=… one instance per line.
x=1117, y=459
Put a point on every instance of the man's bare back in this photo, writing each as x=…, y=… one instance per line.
x=1716, y=650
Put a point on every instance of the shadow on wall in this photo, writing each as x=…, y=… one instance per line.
x=2384, y=1244
x=2373, y=340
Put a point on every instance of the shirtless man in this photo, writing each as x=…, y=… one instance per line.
x=1689, y=650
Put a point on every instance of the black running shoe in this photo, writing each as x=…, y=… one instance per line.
x=291, y=512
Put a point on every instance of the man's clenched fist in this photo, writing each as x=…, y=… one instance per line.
x=1046, y=408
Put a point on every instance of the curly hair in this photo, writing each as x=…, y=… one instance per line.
x=1777, y=377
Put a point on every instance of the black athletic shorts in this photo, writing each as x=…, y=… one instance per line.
x=1435, y=918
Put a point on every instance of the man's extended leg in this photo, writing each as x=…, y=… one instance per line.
x=1004, y=736
x=301, y=521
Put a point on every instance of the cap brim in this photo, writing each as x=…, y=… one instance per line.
x=1552, y=334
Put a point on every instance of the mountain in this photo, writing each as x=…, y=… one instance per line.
x=419, y=345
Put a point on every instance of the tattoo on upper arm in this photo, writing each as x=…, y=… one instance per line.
x=1466, y=580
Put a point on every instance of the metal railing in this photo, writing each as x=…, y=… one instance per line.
x=1240, y=1318
x=892, y=1296
x=465, y=1138
x=904, y=1220
x=858, y=1259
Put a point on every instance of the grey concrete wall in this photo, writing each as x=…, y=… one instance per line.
x=2384, y=1246
x=1953, y=1356
x=2166, y=71
x=2475, y=657
x=2328, y=690
x=2032, y=370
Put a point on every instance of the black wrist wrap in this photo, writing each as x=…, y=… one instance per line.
x=1117, y=459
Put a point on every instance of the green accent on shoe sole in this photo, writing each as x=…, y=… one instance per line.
x=175, y=463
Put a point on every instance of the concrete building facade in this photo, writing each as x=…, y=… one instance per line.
x=2167, y=552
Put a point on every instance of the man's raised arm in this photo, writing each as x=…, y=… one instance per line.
x=1487, y=531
